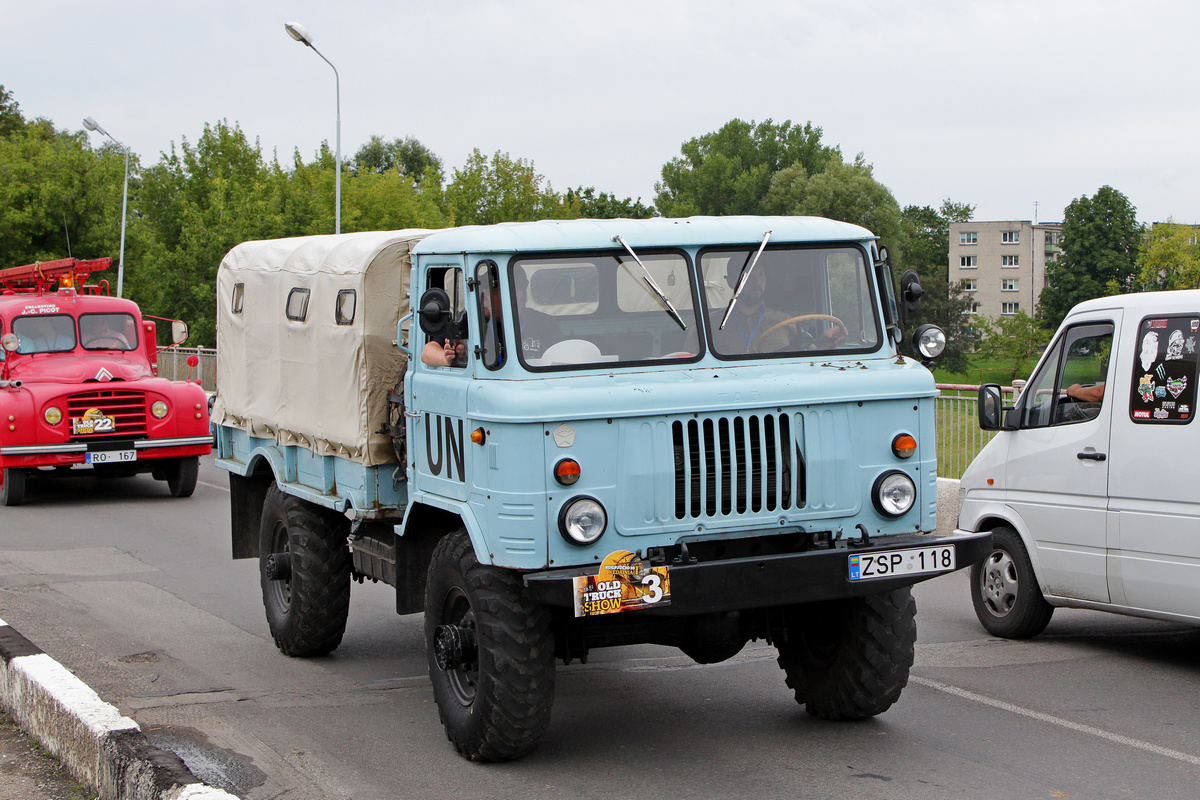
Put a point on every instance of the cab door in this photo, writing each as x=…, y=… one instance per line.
x=1057, y=477
x=436, y=408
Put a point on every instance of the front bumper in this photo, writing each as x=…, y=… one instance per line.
x=768, y=581
x=40, y=455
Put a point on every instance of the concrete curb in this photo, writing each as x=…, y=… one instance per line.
x=97, y=745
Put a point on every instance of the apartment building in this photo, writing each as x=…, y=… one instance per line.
x=1002, y=265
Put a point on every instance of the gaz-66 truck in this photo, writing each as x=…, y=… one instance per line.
x=688, y=432
x=79, y=385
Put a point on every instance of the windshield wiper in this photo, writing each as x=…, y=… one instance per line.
x=746, y=270
x=650, y=281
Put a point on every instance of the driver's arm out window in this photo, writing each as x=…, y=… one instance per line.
x=450, y=348
x=1070, y=386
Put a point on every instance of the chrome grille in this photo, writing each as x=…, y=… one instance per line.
x=726, y=465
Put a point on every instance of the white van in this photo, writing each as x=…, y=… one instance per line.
x=1089, y=488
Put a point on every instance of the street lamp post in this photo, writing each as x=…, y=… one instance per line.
x=301, y=34
x=92, y=125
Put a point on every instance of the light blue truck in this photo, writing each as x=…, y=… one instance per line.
x=690, y=432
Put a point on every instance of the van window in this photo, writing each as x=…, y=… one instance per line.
x=1163, y=388
x=1069, y=387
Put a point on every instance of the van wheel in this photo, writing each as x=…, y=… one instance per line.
x=1005, y=592
x=491, y=654
x=304, y=566
x=12, y=487
x=849, y=659
x=182, y=475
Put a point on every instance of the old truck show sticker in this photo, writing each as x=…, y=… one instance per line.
x=623, y=583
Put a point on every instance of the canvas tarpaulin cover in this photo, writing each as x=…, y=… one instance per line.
x=319, y=382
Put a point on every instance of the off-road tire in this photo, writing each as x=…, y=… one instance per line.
x=182, y=475
x=306, y=611
x=497, y=708
x=1005, y=592
x=849, y=659
x=12, y=486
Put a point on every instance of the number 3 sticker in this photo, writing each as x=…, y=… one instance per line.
x=655, y=584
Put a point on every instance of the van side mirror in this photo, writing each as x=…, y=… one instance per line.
x=992, y=413
x=179, y=332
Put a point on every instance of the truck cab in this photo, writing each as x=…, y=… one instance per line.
x=79, y=385
x=692, y=432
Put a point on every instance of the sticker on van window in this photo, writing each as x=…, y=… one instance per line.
x=1165, y=371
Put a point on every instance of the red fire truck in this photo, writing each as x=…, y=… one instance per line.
x=79, y=385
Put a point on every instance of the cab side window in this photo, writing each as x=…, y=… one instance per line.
x=448, y=349
x=1069, y=387
x=491, y=323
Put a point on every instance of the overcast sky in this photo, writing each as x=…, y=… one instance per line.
x=999, y=104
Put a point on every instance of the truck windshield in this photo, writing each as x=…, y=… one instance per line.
x=581, y=311
x=108, y=332
x=45, y=333
x=796, y=300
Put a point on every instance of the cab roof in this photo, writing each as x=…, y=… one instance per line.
x=597, y=234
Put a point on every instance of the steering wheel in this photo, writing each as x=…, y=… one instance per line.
x=107, y=343
x=803, y=318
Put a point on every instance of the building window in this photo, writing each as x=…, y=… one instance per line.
x=967, y=262
x=1051, y=237
x=1008, y=309
x=1009, y=284
x=970, y=284
x=968, y=237
x=1010, y=261
x=972, y=307
x=1010, y=237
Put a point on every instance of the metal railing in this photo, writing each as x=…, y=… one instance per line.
x=172, y=364
x=956, y=419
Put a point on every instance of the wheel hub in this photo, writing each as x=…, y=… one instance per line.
x=999, y=583
x=454, y=648
x=278, y=567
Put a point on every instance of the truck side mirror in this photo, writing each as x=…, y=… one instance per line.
x=991, y=408
x=910, y=293
x=179, y=332
x=434, y=312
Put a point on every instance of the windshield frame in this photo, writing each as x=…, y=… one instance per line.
x=715, y=310
x=608, y=293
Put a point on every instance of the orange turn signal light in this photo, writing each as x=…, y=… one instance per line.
x=567, y=471
x=904, y=446
x=477, y=436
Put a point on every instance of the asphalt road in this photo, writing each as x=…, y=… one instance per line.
x=135, y=592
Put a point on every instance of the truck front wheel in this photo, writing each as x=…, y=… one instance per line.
x=181, y=476
x=849, y=659
x=12, y=486
x=491, y=654
x=304, y=566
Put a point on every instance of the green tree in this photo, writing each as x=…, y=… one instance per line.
x=11, y=120
x=1013, y=340
x=199, y=201
x=1169, y=257
x=847, y=192
x=926, y=233
x=589, y=204
x=1100, y=241
x=408, y=157
x=500, y=189
x=730, y=171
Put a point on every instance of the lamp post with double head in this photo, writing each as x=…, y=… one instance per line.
x=301, y=34
x=92, y=125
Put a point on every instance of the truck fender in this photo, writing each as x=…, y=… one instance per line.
x=417, y=512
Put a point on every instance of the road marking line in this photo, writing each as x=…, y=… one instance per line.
x=213, y=485
x=1063, y=723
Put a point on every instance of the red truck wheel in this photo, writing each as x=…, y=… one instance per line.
x=12, y=487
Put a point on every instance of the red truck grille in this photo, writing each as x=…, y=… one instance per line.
x=126, y=409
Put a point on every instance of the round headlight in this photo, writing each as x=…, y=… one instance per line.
x=582, y=520
x=894, y=494
x=929, y=341
x=53, y=415
x=159, y=409
x=10, y=342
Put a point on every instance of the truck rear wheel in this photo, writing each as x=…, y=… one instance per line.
x=849, y=659
x=491, y=654
x=12, y=486
x=304, y=566
x=182, y=475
